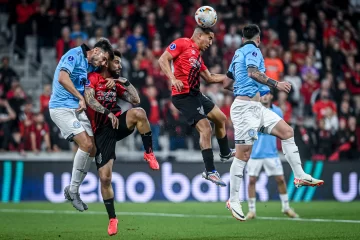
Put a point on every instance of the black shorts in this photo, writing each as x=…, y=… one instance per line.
x=106, y=138
x=193, y=107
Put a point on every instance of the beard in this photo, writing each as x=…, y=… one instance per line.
x=114, y=74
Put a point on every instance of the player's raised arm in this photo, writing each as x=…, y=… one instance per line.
x=260, y=77
x=130, y=93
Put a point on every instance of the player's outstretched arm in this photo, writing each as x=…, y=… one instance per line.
x=130, y=95
x=260, y=77
x=212, y=77
x=164, y=62
x=228, y=83
x=96, y=106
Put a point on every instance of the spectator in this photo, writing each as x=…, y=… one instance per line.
x=285, y=106
x=39, y=134
x=309, y=69
x=7, y=75
x=324, y=142
x=98, y=34
x=137, y=76
x=64, y=44
x=45, y=98
x=232, y=38
x=89, y=27
x=135, y=37
x=274, y=66
x=7, y=116
x=176, y=125
x=77, y=33
x=321, y=106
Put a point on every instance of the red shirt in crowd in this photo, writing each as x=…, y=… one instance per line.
x=187, y=64
x=40, y=130
x=44, y=102
x=319, y=108
x=154, y=111
x=307, y=90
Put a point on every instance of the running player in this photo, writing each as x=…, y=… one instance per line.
x=111, y=125
x=265, y=155
x=249, y=116
x=184, y=73
x=67, y=106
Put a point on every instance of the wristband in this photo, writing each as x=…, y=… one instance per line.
x=127, y=83
x=272, y=83
x=106, y=111
x=230, y=75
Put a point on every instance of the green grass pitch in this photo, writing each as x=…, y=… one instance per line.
x=191, y=220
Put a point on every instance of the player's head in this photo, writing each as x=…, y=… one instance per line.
x=203, y=37
x=101, y=53
x=266, y=100
x=251, y=32
x=114, y=66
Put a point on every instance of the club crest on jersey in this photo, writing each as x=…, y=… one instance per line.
x=76, y=124
x=254, y=54
x=172, y=46
x=252, y=133
x=193, y=52
x=70, y=58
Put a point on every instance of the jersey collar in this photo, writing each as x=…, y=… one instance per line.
x=249, y=42
x=84, y=49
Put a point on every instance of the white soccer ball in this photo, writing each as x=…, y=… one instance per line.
x=205, y=16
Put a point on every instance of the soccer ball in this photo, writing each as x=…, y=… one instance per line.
x=205, y=17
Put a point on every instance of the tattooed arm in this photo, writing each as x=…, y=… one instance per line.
x=96, y=106
x=92, y=102
x=130, y=95
x=260, y=77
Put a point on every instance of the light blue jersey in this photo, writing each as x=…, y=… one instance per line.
x=248, y=55
x=76, y=64
x=265, y=146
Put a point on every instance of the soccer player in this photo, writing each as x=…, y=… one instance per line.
x=67, y=106
x=265, y=155
x=184, y=73
x=249, y=116
x=110, y=125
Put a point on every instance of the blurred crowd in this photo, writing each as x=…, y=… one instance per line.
x=313, y=44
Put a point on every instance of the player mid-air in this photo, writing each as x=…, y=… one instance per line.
x=265, y=154
x=249, y=116
x=183, y=65
x=110, y=125
x=67, y=106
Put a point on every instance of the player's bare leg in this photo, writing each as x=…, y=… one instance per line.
x=82, y=163
x=107, y=193
x=283, y=131
x=136, y=117
x=219, y=120
x=242, y=156
x=252, y=198
x=205, y=131
x=285, y=207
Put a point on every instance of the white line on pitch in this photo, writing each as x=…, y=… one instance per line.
x=175, y=215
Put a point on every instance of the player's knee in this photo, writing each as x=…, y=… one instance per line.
x=105, y=180
x=252, y=180
x=86, y=145
x=206, y=132
x=288, y=133
x=140, y=114
x=280, y=180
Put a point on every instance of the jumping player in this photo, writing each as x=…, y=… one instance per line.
x=265, y=155
x=111, y=125
x=67, y=106
x=184, y=73
x=249, y=116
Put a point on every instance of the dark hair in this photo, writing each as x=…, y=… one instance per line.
x=205, y=30
x=105, y=45
x=250, y=31
x=117, y=53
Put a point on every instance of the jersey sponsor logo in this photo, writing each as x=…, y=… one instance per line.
x=172, y=46
x=194, y=62
x=70, y=58
x=76, y=124
x=193, y=52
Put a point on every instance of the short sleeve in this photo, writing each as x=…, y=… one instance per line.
x=176, y=47
x=120, y=89
x=69, y=62
x=253, y=59
x=203, y=67
x=92, y=80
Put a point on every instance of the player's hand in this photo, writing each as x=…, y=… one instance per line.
x=121, y=80
x=284, y=86
x=82, y=105
x=114, y=120
x=177, y=84
x=110, y=83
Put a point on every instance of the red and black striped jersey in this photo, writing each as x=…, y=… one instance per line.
x=106, y=97
x=187, y=64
